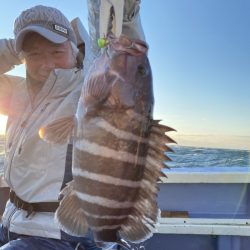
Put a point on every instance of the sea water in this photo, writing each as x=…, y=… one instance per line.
x=192, y=157
x=208, y=157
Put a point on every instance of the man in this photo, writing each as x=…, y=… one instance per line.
x=36, y=171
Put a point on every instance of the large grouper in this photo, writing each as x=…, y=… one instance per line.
x=118, y=149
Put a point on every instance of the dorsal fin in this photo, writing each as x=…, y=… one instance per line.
x=160, y=127
x=156, y=154
x=160, y=146
x=145, y=212
x=160, y=138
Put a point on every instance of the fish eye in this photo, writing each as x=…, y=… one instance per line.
x=142, y=70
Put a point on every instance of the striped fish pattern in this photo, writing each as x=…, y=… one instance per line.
x=118, y=149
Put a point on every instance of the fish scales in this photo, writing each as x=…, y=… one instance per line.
x=119, y=140
x=105, y=166
x=94, y=211
x=117, y=158
x=119, y=191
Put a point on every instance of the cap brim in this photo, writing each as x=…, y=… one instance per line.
x=48, y=34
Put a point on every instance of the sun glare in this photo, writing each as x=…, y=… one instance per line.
x=3, y=121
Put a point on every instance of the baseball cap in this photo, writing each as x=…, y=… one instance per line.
x=49, y=22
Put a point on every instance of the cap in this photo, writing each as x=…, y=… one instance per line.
x=47, y=21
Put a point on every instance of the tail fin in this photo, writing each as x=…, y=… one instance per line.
x=141, y=223
x=59, y=131
x=69, y=215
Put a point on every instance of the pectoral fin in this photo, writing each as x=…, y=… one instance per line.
x=59, y=131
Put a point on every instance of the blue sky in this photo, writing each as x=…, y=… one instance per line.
x=200, y=56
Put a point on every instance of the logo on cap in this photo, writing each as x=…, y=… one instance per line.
x=61, y=29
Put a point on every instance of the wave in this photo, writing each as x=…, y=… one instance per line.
x=185, y=156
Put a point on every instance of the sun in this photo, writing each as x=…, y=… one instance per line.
x=3, y=121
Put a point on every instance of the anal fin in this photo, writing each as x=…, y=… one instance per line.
x=70, y=216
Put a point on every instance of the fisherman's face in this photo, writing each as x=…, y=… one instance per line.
x=42, y=56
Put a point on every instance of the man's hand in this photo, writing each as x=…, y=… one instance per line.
x=105, y=16
x=122, y=17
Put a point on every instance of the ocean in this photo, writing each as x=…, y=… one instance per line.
x=192, y=157
x=208, y=157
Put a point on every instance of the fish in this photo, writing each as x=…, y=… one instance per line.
x=118, y=148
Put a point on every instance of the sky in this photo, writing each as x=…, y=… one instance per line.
x=199, y=52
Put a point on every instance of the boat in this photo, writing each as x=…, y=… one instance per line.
x=201, y=209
